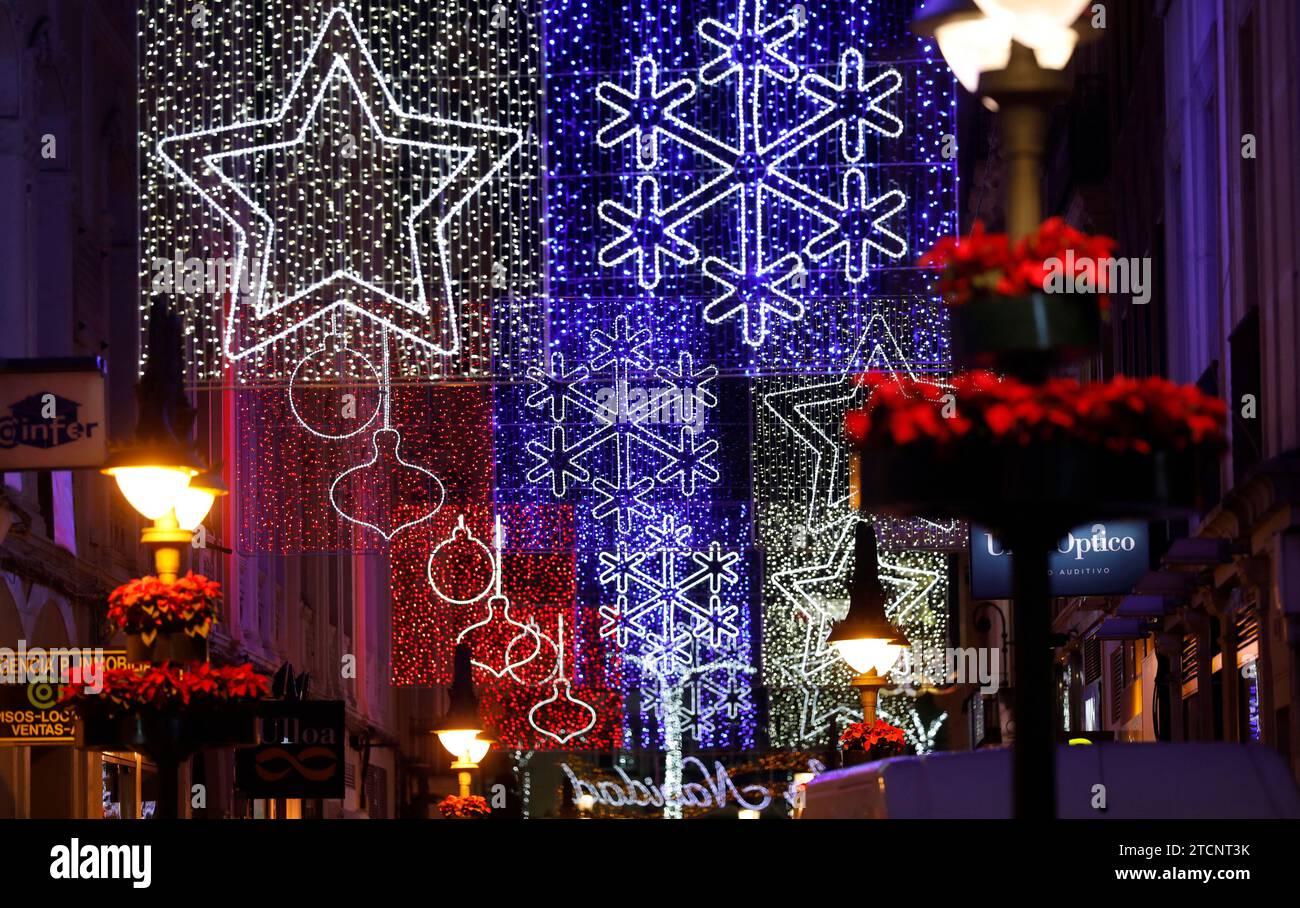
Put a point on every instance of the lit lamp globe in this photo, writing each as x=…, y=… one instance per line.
x=866, y=639
x=460, y=731
x=150, y=477
x=976, y=36
x=153, y=478
x=195, y=501
x=465, y=744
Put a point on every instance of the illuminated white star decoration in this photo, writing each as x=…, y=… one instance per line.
x=809, y=545
x=415, y=172
x=754, y=279
x=618, y=407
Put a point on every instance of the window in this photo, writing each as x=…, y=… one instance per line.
x=1247, y=425
x=1091, y=660
x=1118, y=683
x=1191, y=649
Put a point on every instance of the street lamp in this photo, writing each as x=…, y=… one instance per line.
x=158, y=472
x=460, y=731
x=866, y=639
x=167, y=488
x=1012, y=52
x=975, y=36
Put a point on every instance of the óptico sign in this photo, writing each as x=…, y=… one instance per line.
x=1098, y=559
x=52, y=414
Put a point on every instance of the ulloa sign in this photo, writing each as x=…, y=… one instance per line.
x=1099, y=559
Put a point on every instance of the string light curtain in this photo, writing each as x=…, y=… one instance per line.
x=560, y=304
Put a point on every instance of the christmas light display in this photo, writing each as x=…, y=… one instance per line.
x=759, y=172
x=285, y=470
x=365, y=158
x=807, y=523
x=641, y=421
x=627, y=442
x=545, y=679
x=560, y=306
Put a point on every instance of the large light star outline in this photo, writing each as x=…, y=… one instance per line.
x=476, y=150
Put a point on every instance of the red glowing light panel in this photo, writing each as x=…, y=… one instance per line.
x=445, y=590
x=317, y=470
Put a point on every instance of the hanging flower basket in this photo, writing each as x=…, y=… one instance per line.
x=168, y=711
x=1000, y=450
x=865, y=742
x=166, y=622
x=1019, y=307
x=470, y=807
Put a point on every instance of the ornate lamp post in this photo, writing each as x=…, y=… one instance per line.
x=1013, y=52
x=158, y=471
x=866, y=639
x=460, y=731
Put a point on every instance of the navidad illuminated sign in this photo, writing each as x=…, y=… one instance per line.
x=714, y=789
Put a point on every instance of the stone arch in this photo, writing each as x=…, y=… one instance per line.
x=53, y=626
x=11, y=620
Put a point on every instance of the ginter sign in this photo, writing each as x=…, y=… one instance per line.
x=52, y=414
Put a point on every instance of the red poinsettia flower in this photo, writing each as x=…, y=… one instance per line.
x=989, y=263
x=1121, y=415
x=877, y=739
x=168, y=686
x=470, y=807
x=148, y=606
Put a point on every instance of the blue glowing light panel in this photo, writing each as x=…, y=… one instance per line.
x=736, y=193
x=748, y=175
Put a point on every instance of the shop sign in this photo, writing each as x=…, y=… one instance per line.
x=52, y=414
x=31, y=682
x=302, y=751
x=1099, y=559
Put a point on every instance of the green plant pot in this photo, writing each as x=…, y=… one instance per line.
x=168, y=735
x=176, y=646
x=1003, y=485
x=1025, y=336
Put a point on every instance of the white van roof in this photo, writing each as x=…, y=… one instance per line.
x=1142, y=781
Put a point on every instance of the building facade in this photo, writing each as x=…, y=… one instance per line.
x=1176, y=142
x=70, y=286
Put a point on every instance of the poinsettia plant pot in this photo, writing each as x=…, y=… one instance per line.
x=1025, y=335
x=858, y=757
x=176, y=646
x=168, y=735
x=1039, y=483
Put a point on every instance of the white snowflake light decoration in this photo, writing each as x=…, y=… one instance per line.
x=754, y=283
